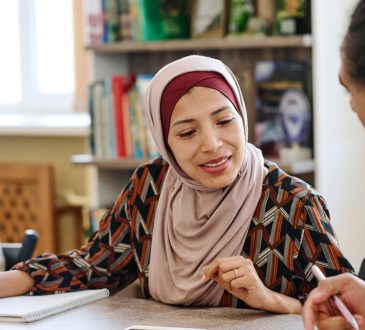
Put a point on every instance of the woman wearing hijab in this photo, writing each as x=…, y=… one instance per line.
x=210, y=223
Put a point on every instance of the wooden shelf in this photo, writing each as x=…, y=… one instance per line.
x=121, y=164
x=239, y=42
x=298, y=167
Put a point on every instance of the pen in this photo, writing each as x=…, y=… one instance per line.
x=340, y=305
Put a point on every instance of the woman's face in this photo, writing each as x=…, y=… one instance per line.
x=356, y=90
x=207, y=137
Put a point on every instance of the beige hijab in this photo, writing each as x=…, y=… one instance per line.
x=194, y=224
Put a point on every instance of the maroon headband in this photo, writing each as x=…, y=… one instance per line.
x=177, y=87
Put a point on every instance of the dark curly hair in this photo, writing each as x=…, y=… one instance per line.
x=353, y=46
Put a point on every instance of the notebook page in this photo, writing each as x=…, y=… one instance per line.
x=31, y=308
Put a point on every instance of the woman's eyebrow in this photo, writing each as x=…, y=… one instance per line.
x=190, y=120
x=226, y=107
x=183, y=121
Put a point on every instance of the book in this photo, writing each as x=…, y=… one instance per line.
x=111, y=20
x=97, y=106
x=208, y=19
x=120, y=136
x=159, y=20
x=109, y=143
x=142, y=83
x=138, y=142
x=94, y=21
x=124, y=20
x=33, y=308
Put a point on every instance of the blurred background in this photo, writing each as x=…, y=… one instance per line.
x=72, y=84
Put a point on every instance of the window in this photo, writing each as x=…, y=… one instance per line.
x=37, y=57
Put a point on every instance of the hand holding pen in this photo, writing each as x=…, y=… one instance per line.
x=317, y=309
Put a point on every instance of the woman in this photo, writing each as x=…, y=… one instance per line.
x=211, y=223
x=319, y=309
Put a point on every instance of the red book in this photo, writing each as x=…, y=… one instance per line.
x=119, y=120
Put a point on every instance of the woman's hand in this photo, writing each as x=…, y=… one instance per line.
x=15, y=283
x=238, y=276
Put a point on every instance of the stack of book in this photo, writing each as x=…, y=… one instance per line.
x=109, y=21
x=142, y=20
x=118, y=121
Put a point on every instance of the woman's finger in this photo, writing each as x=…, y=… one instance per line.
x=220, y=266
x=210, y=272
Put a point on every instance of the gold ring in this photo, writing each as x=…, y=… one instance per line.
x=235, y=271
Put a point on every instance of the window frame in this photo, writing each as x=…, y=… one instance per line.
x=32, y=100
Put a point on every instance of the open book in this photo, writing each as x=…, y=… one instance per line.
x=32, y=308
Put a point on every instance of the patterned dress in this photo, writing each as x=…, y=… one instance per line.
x=290, y=231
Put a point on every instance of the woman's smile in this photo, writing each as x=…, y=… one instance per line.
x=216, y=166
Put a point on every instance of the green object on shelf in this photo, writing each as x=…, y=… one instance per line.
x=292, y=17
x=240, y=13
x=163, y=19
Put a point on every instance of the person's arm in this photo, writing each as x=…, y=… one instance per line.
x=319, y=307
x=318, y=246
x=106, y=261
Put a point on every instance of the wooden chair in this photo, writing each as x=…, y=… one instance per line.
x=27, y=201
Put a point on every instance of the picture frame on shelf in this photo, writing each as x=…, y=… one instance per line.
x=208, y=18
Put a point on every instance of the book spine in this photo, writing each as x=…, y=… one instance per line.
x=142, y=83
x=98, y=95
x=134, y=18
x=124, y=20
x=92, y=119
x=111, y=20
x=135, y=127
x=94, y=21
x=110, y=133
x=117, y=87
x=127, y=126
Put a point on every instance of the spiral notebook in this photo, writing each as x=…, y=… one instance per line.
x=32, y=308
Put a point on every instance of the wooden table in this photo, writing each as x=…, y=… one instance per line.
x=117, y=312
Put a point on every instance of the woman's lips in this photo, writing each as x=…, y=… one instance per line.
x=216, y=166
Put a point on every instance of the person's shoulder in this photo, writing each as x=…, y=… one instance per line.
x=155, y=168
x=280, y=181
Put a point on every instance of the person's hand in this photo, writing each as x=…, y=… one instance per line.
x=238, y=276
x=319, y=307
x=15, y=283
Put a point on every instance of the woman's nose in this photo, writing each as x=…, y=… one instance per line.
x=210, y=141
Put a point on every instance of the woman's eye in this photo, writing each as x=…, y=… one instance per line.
x=186, y=134
x=226, y=122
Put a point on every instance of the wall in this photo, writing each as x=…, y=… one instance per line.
x=339, y=136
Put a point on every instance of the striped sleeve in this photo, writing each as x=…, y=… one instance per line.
x=105, y=261
x=318, y=246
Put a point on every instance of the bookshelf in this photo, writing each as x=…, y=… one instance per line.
x=119, y=164
x=263, y=42
x=108, y=176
